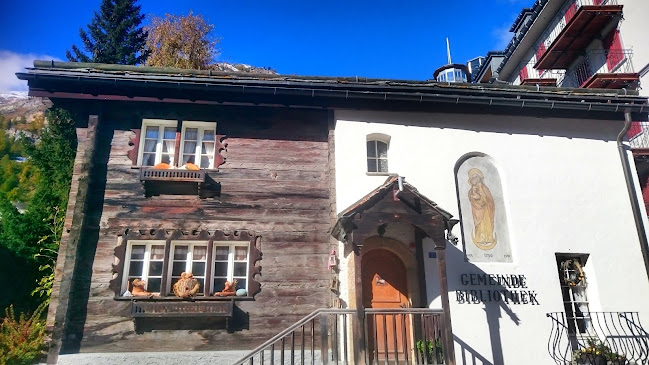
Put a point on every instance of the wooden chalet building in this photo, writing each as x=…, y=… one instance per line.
x=363, y=220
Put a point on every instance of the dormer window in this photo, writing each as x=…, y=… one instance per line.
x=377, y=153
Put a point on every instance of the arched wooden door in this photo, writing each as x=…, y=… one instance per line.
x=385, y=287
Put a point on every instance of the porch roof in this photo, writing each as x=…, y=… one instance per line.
x=396, y=184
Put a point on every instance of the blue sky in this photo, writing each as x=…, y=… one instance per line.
x=382, y=39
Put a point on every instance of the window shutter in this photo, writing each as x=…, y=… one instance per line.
x=523, y=73
x=572, y=10
x=636, y=129
x=540, y=51
x=613, y=47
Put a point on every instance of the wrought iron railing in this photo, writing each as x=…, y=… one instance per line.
x=563, y=17
x=638, y=135
x=596, y=62
x=410, y=335
x=598, y=337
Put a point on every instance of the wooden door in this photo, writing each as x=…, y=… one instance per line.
x=385, y=286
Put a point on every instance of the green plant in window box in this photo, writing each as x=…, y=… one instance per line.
x=597, y=353
x=431, y=349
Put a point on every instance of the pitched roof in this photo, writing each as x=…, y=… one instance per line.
x=120, y=82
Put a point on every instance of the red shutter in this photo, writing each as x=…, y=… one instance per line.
x=540, y=51
x=598, y=2
x=613, y=47
x=572, y=10
x=636, y=129
x=523, y=73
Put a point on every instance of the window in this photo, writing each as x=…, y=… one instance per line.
x=157, y=142
x=198, y=143
x=573, y=290
x=188, y=257
x=145, y=261
x=159, y=139
x=377, y=156
x=230, y=263
x=160, y=263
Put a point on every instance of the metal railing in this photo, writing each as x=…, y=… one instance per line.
x=617, y=337
x=598, y=61
x=638, y=135
x=567, y=12
x=400, y=336
x=533, y=73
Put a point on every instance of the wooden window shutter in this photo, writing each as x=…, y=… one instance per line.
x=613, y=47
x=572, y=10
x=523, y=73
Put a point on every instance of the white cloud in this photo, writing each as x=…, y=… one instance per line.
x=501, y=37
x=10, y=63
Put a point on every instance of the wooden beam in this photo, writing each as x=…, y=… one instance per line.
x=79, y=197
x=447, y=335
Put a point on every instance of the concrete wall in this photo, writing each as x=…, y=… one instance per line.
x=563, y=190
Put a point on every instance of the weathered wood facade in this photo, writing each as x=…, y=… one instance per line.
x=275, y=186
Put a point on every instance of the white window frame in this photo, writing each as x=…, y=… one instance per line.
x=230, y=261
x=189, y=260
x=579, y=290
x=161, y=124
x=377, y=137
x=146, y=262
x=202, y=126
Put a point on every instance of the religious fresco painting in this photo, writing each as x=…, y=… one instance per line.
x=482, y=209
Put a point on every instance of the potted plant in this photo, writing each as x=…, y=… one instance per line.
x=597, y=353
x=432, y=349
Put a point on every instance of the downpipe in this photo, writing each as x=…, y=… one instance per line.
x=628, y=177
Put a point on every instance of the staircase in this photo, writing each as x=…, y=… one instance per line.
x=344, y=336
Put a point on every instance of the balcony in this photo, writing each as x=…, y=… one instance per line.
x=595, y=337
x=532, y=76
x=604, y=70
x=576, y=25
x=178, y=182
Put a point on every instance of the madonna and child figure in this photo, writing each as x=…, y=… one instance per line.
x=484, y=211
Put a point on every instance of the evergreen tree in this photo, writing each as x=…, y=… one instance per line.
x=114, y=35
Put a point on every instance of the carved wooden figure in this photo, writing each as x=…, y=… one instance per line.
x=229, y=290
x=187, y=286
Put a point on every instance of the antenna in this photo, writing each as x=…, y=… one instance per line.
x=448, y=51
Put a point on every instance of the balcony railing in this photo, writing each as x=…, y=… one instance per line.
x=599, y=62
x=559, y=54
x=541, y=77
x=594, y=337
x=639, y=135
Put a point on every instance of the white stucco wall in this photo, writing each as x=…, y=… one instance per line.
x=564, y=192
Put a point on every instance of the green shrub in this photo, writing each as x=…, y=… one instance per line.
x=22, y=338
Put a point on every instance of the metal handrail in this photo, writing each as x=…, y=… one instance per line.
x=428, y=326
x=292, y=328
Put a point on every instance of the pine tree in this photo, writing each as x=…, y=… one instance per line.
x=114, y=35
